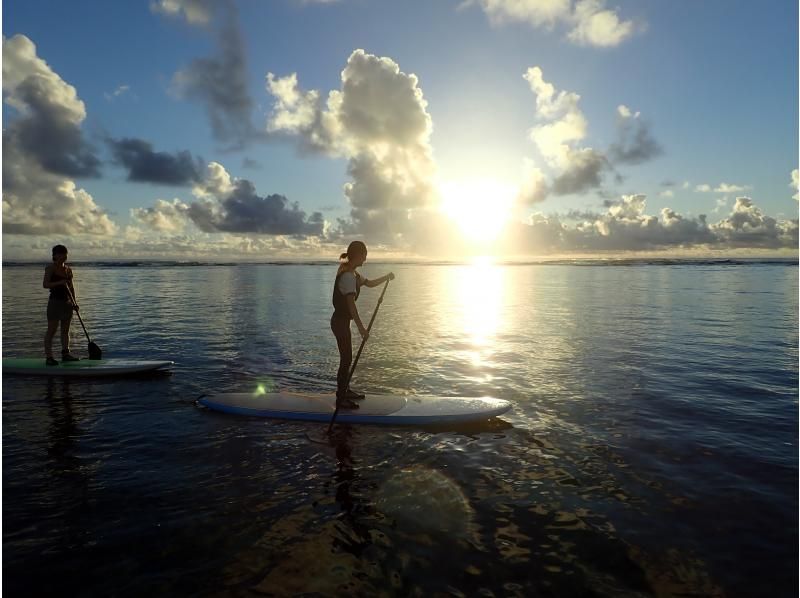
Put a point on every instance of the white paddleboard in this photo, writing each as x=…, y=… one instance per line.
x=375, y=409
x=35, y=366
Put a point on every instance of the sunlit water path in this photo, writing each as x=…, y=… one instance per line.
x=652, y=447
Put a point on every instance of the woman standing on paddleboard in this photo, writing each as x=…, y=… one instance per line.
x=58, y=278
x=346, y=289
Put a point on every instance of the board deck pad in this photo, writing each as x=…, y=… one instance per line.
x=375, y=409
x=35, y=366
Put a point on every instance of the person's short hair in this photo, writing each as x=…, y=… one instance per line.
x=59, y=249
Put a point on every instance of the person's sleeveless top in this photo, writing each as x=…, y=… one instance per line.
x=340, y=308
x=59, y=292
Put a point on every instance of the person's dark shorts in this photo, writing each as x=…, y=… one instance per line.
x=58, y=310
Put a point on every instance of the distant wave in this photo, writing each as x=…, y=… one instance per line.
x=615, y=262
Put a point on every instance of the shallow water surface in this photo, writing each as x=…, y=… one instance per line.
x=651, y=450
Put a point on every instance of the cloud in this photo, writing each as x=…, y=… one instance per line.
x=146, y=166
x=589, y=21
x=626, y=227
x=667, y=193
x=635, y=143
x=195, y=12
x=557, y=138
x=50, y=113
x=726, y=188
x=163, y=216
x=748, y=226
x=119, y=91
x=721, y=188
x=795, y=184
x=721, y=203
x=533, y=188
x=584, y=172
x=228, y=205
x=220, y=82
x=597, y=26
x=42, y=147
x=378, y=120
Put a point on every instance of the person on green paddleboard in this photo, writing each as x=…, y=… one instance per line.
x=58, y=278
x=346, y=289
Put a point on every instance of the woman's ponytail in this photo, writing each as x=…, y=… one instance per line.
x=343, y=257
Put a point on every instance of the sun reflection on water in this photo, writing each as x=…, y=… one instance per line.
x=479, y=292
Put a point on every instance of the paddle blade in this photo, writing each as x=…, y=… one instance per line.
x=94, y=351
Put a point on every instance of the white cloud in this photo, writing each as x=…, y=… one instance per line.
x=120, y=90
x=39, y=196
x=748, y=226
x=557, y=138
x=590, y=22
x=293, y=111
x=721, y=203
x=667, y=193
x=566, y=125
x=597, y=26
x=626, y=227
x=721, y=188
x=195, y=12
x=729, y=188
x=378, y=120
x=795, y=184
x=164, y=216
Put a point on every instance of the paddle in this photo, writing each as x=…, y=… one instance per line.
x=94, y=350
x=361, y=348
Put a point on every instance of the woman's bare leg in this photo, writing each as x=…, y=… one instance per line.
x=52, y=326
x=65, y=336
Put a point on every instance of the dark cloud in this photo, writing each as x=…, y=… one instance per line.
x=635, y=143
x=49, y=133
x=243, y=211
x=584, y=172
x=220, y=82
x=146, y=166
x=251, y=164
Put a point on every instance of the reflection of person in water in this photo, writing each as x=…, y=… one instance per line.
x=63, y=429
x=344, y=478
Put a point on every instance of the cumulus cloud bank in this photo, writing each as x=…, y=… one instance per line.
x=42, y=148
x=378, y=120
x=228, y=205
x=626, y=227
x=589, y=22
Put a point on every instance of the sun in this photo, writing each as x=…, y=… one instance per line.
x=480, y=207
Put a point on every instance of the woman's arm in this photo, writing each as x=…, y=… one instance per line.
x=351, y=303
x=379, y=281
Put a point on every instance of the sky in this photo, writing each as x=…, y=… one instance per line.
x=435, y=129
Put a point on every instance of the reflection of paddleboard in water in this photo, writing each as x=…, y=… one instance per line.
x=393, y=410
x=34, y=366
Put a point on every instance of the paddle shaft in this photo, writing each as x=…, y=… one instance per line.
x=360, y=349
x=78, y=313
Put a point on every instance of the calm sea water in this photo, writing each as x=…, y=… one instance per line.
x=652, y=448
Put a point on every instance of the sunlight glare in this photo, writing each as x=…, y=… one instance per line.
x=480, y=207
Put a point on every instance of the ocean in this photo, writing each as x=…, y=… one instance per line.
x=652, y=449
